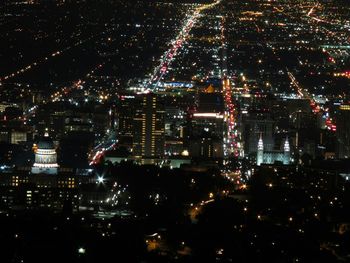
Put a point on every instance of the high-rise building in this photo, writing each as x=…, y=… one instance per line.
x=206, y=148
x=343, y=132
x=210, y=102
x=207, y=126
x=149, y=128
x=125, y=120
x=125, y=115
x=206, y=139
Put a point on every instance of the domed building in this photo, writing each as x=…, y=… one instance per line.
x=45, y=157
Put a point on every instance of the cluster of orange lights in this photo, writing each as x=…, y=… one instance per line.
x=345, y=74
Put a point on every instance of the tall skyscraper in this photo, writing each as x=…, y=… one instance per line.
x=343, y=132
x=149, y=130
x=126, y=111
x=207, y=127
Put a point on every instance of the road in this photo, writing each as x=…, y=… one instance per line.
x=43, y=60
x=230, y=143
x=176, y=45
x=315, y=107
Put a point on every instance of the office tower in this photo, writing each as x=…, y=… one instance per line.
x=125, y=114
x=343, y=132
x=148, y=130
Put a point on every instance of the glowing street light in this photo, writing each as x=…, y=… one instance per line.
x=100, y=179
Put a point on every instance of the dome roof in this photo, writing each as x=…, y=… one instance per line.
x=46, y=143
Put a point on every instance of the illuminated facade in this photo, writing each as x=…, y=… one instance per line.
x=270, y=157
x=45, y=157
x=260, y=152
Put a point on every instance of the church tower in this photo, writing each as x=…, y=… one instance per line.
x=286, y=152
x=260, y=152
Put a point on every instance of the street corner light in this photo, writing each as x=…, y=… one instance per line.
x=100, y=179
x=81, y=250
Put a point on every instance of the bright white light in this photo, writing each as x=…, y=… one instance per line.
x=185, y=153
x=100, y=179
x=81, y=250
x=208, y=115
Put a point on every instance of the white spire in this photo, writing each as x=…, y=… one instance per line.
x=260, y=152
x=286, y=145
x=260, y=143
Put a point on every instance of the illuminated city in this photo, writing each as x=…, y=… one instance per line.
x=175, y=131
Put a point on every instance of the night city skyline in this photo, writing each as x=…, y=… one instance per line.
x=175, y=131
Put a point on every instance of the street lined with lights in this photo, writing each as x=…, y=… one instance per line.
x=176, y=45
